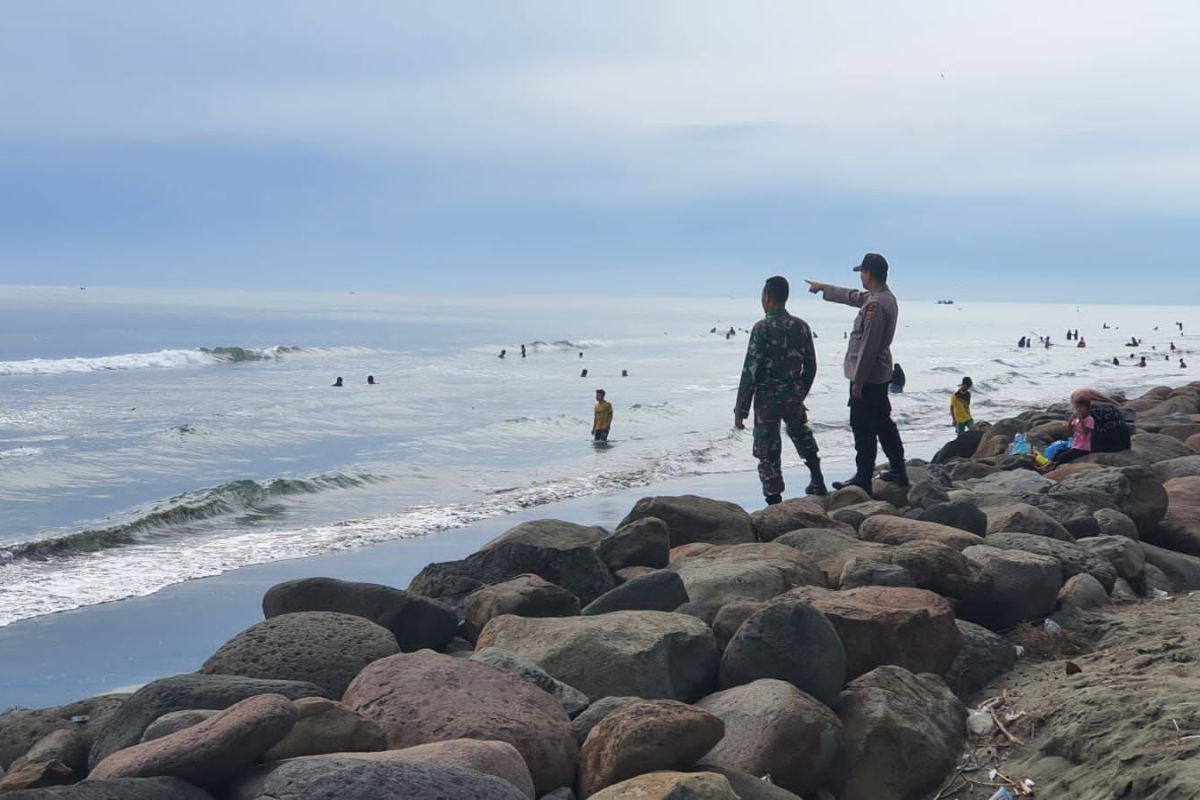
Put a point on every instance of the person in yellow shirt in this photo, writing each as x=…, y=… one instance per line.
x=604, y=414
x=960, y=407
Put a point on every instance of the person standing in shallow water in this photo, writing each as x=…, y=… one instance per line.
x=780, y=365
x=868, y=367
x=338, y=383
x=603, y=419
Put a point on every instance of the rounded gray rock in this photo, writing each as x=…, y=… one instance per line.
x=322, y=647
x=324, y=778
x=119, y=789
x=790, y=641
x=417, y=622
x=661, y=590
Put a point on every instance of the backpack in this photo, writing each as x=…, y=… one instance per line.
x=1112, y=429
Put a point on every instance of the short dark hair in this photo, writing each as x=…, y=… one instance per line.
x=777, y=289
x=968, y=382
x=600, y=392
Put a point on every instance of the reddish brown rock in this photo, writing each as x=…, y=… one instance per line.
x=669, y=785
x=1179, y=530
x=424, y=697
x=645, y=736
x=38, y=775
x=898, y=530
x=1193, y=442
x=1060, y=474
x=688, y=550
x=910, y=628
x=208, y=753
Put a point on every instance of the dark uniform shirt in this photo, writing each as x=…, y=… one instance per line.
x=780, y=366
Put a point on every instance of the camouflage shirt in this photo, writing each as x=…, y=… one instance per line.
x=781, y=364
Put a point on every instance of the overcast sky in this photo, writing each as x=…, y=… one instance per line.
x=1008, y=150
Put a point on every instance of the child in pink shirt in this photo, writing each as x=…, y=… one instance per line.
x=1081, y=425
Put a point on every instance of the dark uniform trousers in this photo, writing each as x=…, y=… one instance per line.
x=871, y=420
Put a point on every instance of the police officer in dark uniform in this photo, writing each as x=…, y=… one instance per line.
x=868, y=367
x=780, y=366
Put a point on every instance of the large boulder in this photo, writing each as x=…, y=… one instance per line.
x=181, y=692
x=1010, y=482
x=773, y=728
x=21, y=728
x=1126, y=556
x=417, y=622
x=1024, y=518
x=756, y=571
x=499, y=759
x=645, y=542
x=788, y=641
x=555, y=533
x=856, y=515
x=669, y=785
x=1181, y=570
x=37, y=775
x=911, y=628
x=571, y=699
x=955, y=514
x=898, y=530
x=1074, y=557
x=381, y=777
x=645, y=736
x=1135, y=491
x=175, y=721
x=773, y=521
x=1183, y=467
x=962, y=446
x=321, y=647
x=211, y=752
x=661, y=590
x=651, y=654
x=828, y=550
x=751, y=787
x=120, y=789
x=1180, y=529
x=1110, y=522
x=938, y=568
x=578, y=570
x=423, y=697
x=326, y=726
x=1024, y=586
x=66, y=747
x=1152, y=448
x=983, y=657
x=926, y=494
x=902, y=735
x=695, y=519
x=582, y=725
x=525, y=595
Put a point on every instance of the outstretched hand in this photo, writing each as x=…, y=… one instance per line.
x=814, y=286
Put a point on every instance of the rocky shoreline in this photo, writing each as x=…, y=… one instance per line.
x=819, y=648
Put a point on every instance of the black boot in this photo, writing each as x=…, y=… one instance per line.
x=816, y=484
x=898, y=477
x=866, y=487
x=772, y=499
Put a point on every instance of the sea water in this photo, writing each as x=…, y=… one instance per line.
x=149, y=437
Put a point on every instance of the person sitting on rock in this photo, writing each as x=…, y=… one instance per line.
x=1081, y=425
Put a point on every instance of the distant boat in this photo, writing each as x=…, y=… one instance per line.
x=945, y=302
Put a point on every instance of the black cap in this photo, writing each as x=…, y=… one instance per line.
x=875, y=264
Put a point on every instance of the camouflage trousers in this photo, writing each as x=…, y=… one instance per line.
x=768, y=447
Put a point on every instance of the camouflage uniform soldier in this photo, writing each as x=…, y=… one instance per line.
x=781, y=364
